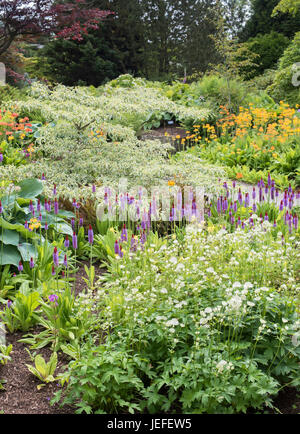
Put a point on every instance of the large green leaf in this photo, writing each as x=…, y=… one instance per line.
x=63, y=228
x=10, y=255
x=17, y=227
x=9, y=237
x=27, y=251
x=30, y=188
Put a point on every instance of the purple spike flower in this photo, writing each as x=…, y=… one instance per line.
x=55, y=206
x=117, y=247
x=295, y=221
x=74, y=241
x=55, y=257
x=67, y=242
x=20, y=267
x=133, y=244
x=90, y=235
x=31, y=263
x=124, y=236
x=65, y=261
x=247, y=200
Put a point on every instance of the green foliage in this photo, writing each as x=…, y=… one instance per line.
x=223, y=349
x=269, y=48
x=290, y=6
x=17, y=242
x=89, y=62
x=21, y=314
x=103, y=381
x=263, y=21
x=43, y=370
x=5, y=354
x=62, y=322
x=286, y=80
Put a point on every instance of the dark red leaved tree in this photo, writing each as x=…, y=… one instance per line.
x=70, y=20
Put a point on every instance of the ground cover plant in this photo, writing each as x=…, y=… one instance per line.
x=184, y=305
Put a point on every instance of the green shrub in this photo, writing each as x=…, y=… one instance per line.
x=269, y=49
x=288, y=71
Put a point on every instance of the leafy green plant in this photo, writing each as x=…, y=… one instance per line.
x=20, y=315
x=43, y=370
x=61, y=321
x=103, y=381
x=5, y=353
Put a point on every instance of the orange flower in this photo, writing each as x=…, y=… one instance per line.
x=239, y=175
x=171, y=183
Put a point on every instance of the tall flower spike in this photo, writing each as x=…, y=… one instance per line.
x=55, y=257
x=74, y=241
x=117, y=248
x=90, y=235
x=55, y=206
x=67, y=242
x=124, y=236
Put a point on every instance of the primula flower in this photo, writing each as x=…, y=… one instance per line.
x=117, y=247
x=90, y=235
x=67, y=242
x=74, y=241
x=55, y=206
x=52, y=298
x=31, y=263
x=65, y=261
x=55, y=257
x=124, y=236
x=9, y=304
x=20, y=267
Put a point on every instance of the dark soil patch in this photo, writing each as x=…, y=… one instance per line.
x=20, y=394
x=160, y=133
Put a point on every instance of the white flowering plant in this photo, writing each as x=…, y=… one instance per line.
x=205, y=321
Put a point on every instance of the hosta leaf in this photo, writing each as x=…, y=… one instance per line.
x=30, y=188
x=10, y=255
x=9, y=237
x=27, y=251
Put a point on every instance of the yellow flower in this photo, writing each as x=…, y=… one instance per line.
x=171, y=183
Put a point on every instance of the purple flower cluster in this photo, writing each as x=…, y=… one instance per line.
x=229, y=203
